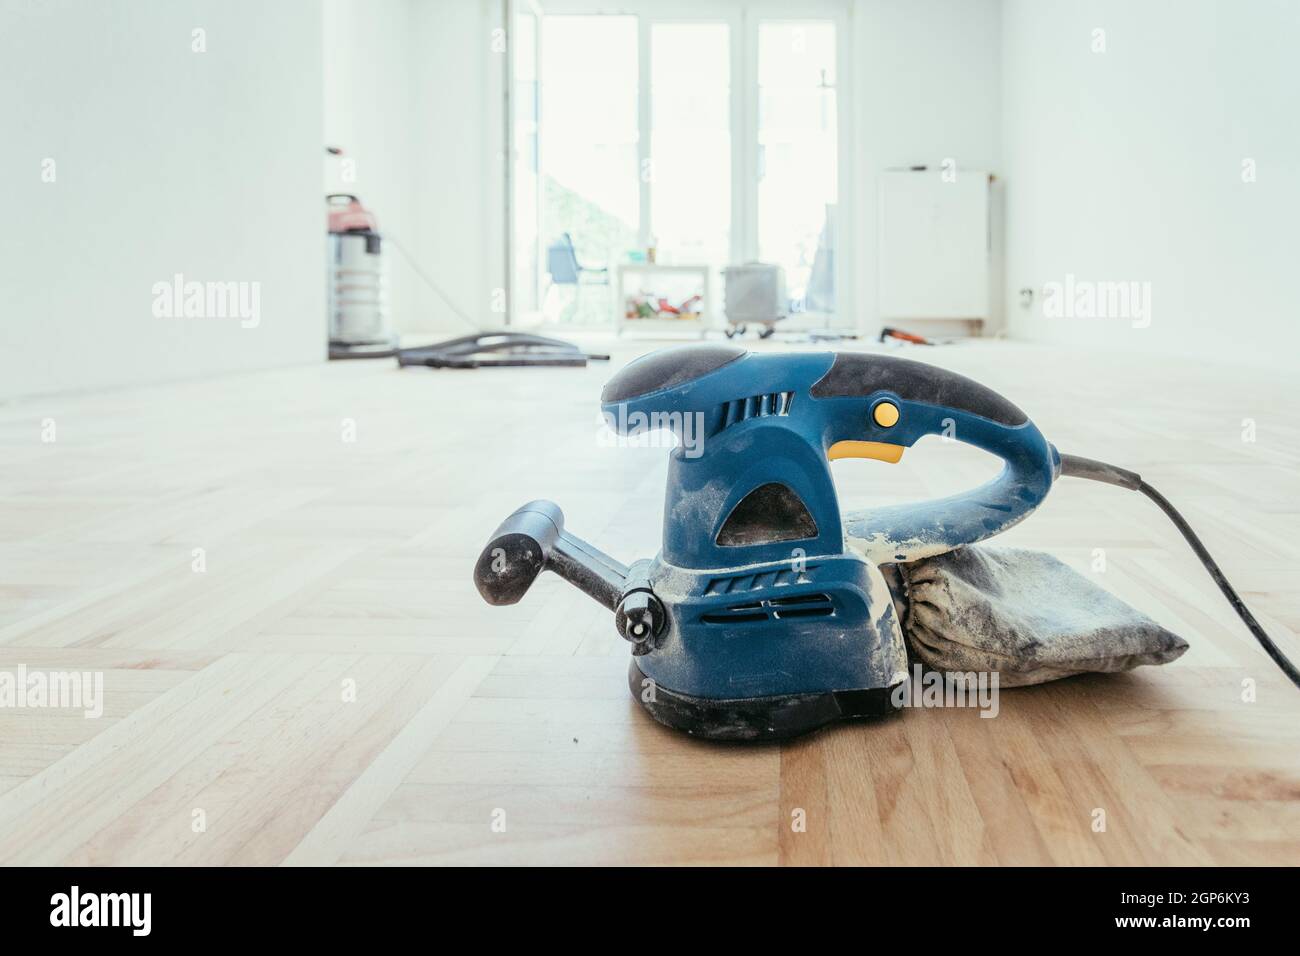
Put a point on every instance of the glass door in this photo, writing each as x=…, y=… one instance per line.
x=688, y=175
x=677, y=137
x=797, y=163
x=591, y=199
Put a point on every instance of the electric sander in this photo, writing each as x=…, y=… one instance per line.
x=766, y=615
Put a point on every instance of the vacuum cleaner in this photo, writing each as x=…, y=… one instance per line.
x=357, y=283
x=766, y=613
x=360, y=326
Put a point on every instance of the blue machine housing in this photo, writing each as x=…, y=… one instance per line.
x=799, y=606
x=766, y=614
x=774, y=629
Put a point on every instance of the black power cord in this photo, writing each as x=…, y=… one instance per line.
x=1075, y=467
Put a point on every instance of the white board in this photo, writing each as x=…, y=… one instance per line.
x=934, y=245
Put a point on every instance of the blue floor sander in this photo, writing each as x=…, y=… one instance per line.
x=766, y=613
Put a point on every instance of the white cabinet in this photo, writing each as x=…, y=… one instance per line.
x=934, y=245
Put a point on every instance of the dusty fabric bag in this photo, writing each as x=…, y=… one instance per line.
x=1021, y=613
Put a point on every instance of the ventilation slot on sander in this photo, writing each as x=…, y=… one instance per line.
x=779, y=609
x=756, y=406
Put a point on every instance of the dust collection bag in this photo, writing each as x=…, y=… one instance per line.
x=1021, y=613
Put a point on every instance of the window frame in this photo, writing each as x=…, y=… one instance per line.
x=744, y=18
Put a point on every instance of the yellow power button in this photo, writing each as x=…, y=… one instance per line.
x=885, y=414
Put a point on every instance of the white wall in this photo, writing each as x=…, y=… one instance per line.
x=409, y=95
x=926, y=76
x=1127, y=165
x=460, y=149
x=1120, y=165
x=166, y=161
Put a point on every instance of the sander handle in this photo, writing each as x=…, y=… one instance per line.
x=758, y=431
x=533, y=540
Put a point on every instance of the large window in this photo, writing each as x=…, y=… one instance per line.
x=797, y=150
x=589, y=147
x=688, y=174
x=703, y=134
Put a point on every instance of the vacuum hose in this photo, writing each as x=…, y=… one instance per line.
x=1075, y=467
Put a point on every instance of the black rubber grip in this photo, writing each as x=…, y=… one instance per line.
x=533, y=540
x=857, y=374
x=517, y=552
x=667, y=369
